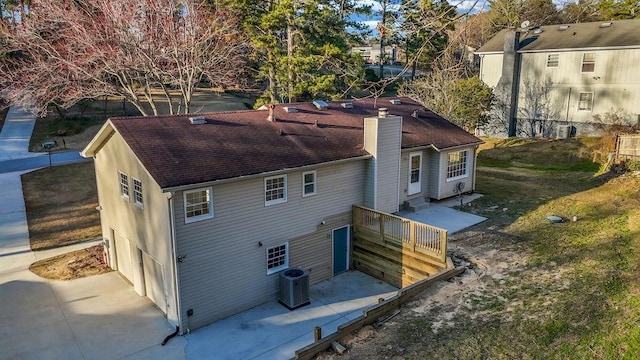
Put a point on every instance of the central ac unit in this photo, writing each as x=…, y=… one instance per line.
x=294, y=288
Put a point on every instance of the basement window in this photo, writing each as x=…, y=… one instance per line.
x=124, y=185
x=457, y=165
x=588, y=62
x=275, y=190
x=198, y=205
x=585, y=102
x=553, y=60
x=277, y=258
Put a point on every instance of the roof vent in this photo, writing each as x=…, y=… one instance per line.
x=537, y=31
x=291, y=109
x=415, y=113
x=563, y=27
x=605, y=24
x=395, y=101
x=383, y=112
x=197, y=120
x=321, y=104
x=347, y=105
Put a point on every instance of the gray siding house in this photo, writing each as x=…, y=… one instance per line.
x=201, y=213
x=557, y=77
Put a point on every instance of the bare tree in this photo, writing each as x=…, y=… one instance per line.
x=69, y=50
x=536, y=115
x=536, y=111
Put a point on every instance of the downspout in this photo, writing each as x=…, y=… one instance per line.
x=174, y=260
x=568, y=106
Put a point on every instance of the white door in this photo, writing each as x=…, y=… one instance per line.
x=154, y=281
x=123, y=256
x=415, y=173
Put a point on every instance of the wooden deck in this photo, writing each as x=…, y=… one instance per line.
x=397, y=250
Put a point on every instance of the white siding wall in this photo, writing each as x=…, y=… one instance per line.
x=447, y=188
x=404, y=175
x=615, y=82
x=490, y=69
x=434, y=172
x=224, y=271
x=147, y=230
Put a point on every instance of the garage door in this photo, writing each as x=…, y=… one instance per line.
x=154, y=281
x=123, y=256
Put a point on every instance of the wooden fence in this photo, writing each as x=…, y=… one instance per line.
x=394, y=249
x=628, y=147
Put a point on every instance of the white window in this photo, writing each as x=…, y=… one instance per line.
x=553, y=60
x=275, y=190
x=309, y=183
x=137, y=192
x=585, y=102
x=588, y=62
x=124, y=185
x=198, y=205
x=457, y=165
x=277, y=258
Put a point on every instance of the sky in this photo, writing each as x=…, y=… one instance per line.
x=473, y=6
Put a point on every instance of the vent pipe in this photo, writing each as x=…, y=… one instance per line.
x=383, y=112
x=271, y=116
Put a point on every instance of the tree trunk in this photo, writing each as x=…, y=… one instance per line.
x=290, y=96
x=273, y=88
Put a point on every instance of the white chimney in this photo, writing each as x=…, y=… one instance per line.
x=383, y=140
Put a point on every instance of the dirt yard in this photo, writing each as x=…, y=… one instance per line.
x=72, y=265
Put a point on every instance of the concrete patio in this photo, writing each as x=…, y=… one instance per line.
x=441, y=214
x=270, y=331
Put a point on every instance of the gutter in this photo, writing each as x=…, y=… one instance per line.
x=259, y=175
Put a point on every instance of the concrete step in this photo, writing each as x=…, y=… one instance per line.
x=416, y=204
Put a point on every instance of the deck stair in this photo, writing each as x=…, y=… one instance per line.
x=416, y=204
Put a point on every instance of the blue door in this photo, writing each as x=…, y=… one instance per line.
x=340, y=250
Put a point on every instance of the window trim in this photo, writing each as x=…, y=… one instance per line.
x=583, y=63
x=466, y=166
x=137, y=203
x=284, y=191
x=196, y=218
x=590, y=102
x=278, y=268
x=120, y=185
x=557, y=61
x=315, y=183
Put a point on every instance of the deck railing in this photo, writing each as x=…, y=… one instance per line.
x=420, y=237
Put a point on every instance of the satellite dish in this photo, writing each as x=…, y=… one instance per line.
x=525, y=24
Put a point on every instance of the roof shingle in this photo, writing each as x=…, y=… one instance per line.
x=241, y=143
x=621, y=33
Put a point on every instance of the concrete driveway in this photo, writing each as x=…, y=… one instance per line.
x=99, y=317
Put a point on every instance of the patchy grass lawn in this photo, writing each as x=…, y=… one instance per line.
x=61, y=205
x=535, y=290
x=72, y=265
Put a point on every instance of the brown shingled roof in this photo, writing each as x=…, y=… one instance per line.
x=621, y=33
x=241, y=143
